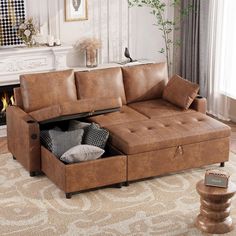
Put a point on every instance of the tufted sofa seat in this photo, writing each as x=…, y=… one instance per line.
x=154, y=134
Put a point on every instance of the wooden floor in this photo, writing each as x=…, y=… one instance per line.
x=3, y=141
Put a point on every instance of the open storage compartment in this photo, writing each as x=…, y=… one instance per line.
x=71, y=178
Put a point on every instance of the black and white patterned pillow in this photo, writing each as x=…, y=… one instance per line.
x=96, y=136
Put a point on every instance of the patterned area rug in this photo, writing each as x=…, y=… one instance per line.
x=160, y=206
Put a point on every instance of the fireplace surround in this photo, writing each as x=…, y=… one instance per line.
x=21, y=60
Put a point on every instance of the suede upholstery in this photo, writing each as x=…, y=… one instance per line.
x=47, y=89
x=76, y=107
x=180, y=92
x=100, y=84
x=144, y=82
x=158, y=108
x=149, y=136
x=126, y=114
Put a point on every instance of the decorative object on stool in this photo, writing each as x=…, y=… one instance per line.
x=27, y=31
x=214, y=214
x=217, y=178
x=90, y=46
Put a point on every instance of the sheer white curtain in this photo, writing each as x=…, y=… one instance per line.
x=222, y=57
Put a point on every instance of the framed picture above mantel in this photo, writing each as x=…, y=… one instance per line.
x=76, y=10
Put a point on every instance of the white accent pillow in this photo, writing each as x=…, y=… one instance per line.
x=82, y=153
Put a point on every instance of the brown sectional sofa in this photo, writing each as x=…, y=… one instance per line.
x=148, y=135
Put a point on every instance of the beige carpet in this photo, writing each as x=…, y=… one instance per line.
x=160, y=206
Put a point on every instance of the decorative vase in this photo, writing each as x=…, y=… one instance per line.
x=91, y=58
x=29, y=44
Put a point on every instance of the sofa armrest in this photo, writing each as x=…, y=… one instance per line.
x=23, y=138
x=199, y=104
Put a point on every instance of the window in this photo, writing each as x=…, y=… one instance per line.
x=227, y=60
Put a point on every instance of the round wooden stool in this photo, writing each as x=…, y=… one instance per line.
x=214, y=214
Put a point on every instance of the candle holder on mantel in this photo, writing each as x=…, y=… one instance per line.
x=91, y=47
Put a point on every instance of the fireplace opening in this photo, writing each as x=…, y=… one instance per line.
x=6, y=99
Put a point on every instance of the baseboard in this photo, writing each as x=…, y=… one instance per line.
x=3, y=131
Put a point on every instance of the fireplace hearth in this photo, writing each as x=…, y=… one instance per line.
x=6, y=99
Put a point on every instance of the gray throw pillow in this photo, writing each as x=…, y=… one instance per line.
x=81, y=153
x=75, y=124
x=63, y=141
x=96, y=136
x=45, y=139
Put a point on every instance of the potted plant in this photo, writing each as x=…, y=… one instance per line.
x=164, y=24
x=26, y=32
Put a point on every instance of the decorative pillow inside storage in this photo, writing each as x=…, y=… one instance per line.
x=75, y=124
x=45, y=139
x=58, y=142
x=180, y=92
x=96, y=136
x=82, y=153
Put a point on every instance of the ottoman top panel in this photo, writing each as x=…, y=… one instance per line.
x=154, y=134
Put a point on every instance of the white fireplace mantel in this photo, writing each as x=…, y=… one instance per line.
x=21, y=60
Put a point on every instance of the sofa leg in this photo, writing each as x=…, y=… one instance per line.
x=222, y=164
x=68, y=195
x=119, y=185
x=126, y=184
x=33, y=173
x=14, y=158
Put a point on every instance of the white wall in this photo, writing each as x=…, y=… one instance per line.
x=146, y=40
x=109, y=20
x=232, y=110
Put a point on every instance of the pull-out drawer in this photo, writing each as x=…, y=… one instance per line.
x=72, y=178
x=173, y=159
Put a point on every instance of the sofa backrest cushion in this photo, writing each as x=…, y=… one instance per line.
x=100, y=84
x=47, y=89
x=144, y=82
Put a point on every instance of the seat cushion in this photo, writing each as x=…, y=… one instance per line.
x=56, y=88
x=100, y=83
x=126, y=114
x=144, y=82
x=158, y=108
x=151, y=135
x=77, y=107
x=180, y=92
